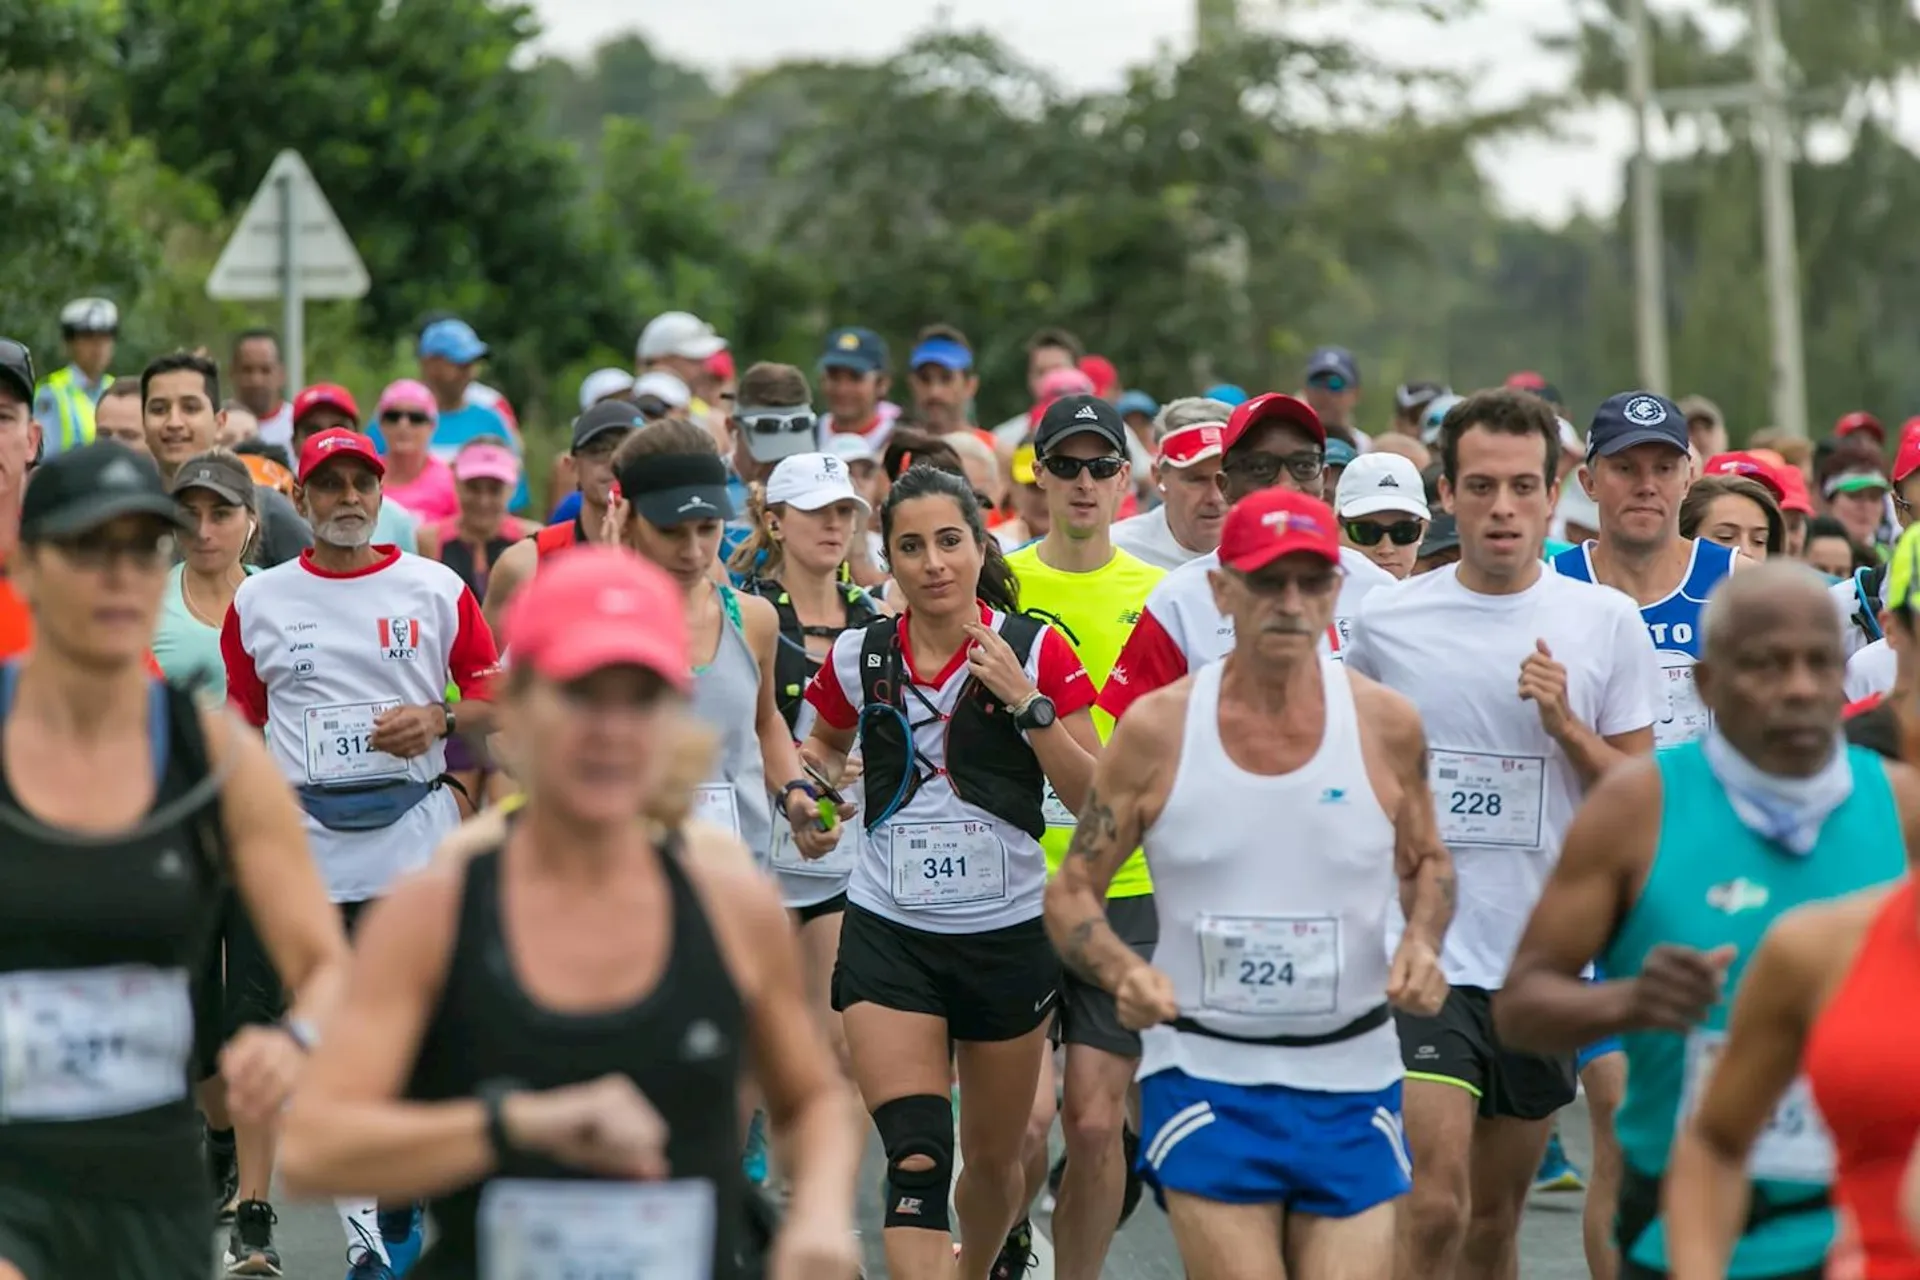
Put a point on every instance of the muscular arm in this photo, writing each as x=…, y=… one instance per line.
x=1592, y=755
x=1125, y=797
x=509, y=573
x=1428, y=890
x=1546, y=1006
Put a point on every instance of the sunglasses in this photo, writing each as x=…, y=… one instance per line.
x=1367, y=533
x=97, y=550
x=413, y=416
x=1264, y=468
x=1313, y=582
x=761, y=423
x=1070, y=468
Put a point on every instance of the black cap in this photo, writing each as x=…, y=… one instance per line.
x=861, y=350
x=1636, y=417
x=1071, y=415
x=677, y=488
x=608, y=415
x=1443, y=535
x=81, y=489
x=16, y=367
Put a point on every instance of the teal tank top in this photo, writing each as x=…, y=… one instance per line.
x=1716, y=883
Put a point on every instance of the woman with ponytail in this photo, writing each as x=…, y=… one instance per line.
x=965, y=710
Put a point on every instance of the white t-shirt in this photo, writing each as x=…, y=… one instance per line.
x=1504, y=789
x=1148, y=537
x=1182, y=630
x=314, y=657
x=1871, y=671
x=277, y=427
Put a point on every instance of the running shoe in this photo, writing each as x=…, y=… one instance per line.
x=250, y=1250
x=364, y=1261
x=1557, y=1173
x=754, y=1163
x=1016, y=1254
x=405, y=1234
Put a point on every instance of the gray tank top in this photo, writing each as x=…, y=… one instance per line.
x=726, y=695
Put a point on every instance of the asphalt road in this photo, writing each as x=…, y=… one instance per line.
x=313, y=1247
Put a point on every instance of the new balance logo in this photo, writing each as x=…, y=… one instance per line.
x=1086, y=414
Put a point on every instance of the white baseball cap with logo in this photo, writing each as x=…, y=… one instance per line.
x=679, y=333
x=1378, y=482
x=811, y=481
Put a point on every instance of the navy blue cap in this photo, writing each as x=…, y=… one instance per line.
x=1636, y=417
x=1333, y=362
x=861, y=350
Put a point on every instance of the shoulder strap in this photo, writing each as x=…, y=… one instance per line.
x=1021, y=633
x=1865, y=587
x=877, y=647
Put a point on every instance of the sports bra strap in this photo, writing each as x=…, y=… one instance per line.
x=159, y=715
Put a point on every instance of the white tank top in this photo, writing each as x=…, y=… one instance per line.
x=1273, y=894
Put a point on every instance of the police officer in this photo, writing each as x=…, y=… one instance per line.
x=63, y=404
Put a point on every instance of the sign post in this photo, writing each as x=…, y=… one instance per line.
x=289, y=245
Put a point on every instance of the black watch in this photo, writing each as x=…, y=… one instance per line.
x=493, y=1095
x=1038, y=713
x=446, y=730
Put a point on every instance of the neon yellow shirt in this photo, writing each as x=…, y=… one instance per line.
x=1096, y=612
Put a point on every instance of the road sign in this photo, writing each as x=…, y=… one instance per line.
x=255, y=263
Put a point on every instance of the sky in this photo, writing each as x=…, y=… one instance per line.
x=1087, y=42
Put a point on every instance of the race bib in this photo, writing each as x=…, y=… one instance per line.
x=1277, y=966
x=79, y=1044
x=717, y=803
x=838, y=863
x=340, y=744
x=943, y=864
x=1795, y=1145
x=533, y=1229
x=1489, y=799
x=1055, y=810
x=1687, y=718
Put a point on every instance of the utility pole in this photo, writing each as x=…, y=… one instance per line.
x=1215, y=22
x=1649, y=239
x=1776, y=195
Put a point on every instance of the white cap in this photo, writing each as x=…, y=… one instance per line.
x=1570, y=441
x=1378, y=482
x=90, y=315
x=679, y=333
x=602, y=383
x=1575, y=507
x=662, y=386
x=851, y=446
x=811, y=481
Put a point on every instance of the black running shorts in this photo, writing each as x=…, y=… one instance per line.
x=997, y=985
x=1458, y=1046
x=52, y=1237
x=1088, y=1014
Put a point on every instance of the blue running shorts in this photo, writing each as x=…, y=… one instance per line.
x=1599, y=1048
x=1333, y=1155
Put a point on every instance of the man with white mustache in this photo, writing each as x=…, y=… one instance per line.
x=345, y=655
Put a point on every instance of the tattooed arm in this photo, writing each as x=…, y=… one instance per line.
x=1130, y=782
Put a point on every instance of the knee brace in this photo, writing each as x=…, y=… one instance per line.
x=920, y=1125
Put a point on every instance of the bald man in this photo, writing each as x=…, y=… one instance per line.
x=1673, y=869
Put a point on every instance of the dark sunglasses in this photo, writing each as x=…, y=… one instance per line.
x=1402, y=533
x=1070, y=468
x=1264, y=468
x=417, y=418
x=97, y=549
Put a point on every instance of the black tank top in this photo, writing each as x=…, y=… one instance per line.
x=457, y=555
x=105, y=1110
x=681, y=1044
x=793, y=666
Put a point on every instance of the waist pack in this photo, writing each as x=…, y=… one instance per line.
x=371, y=807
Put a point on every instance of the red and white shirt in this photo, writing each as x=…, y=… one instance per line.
x=315, y=657
x=1182, y=630
x=941, y=864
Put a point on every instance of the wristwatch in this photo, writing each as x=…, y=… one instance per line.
x=1035, y=713
x=493, y=1095
x=446, y=729
x=804, y=788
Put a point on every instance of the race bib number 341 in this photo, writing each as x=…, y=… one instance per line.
x=1489, y=799
x=944, y=864
x=533, y=1229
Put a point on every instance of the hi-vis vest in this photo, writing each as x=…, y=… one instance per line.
x=75, y=406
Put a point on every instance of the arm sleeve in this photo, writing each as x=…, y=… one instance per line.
x=473, y=661
x=1149, y=660
x=245, y=690
x=1059, y=674
x=827, y=695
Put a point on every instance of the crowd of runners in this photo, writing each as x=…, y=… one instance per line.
x=1298, y=816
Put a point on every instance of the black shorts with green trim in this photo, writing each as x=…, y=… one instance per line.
x=1458, y=1046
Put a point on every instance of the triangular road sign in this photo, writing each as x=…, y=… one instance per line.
x=326, y=263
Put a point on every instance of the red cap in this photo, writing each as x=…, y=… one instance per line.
x=720, y=365
x=1907, y=460
x=1276, y=522
x=331, y=394
x=1193, y=444
x=1750, y=466
x=1102, y=374
x=596, y=606
x=1794, y=491
x=1274, y=406
x=1860, y=421
x=338, y=442
x=1527, y=380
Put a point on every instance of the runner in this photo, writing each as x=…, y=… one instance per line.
x=774, y=420
x=1270, y=440
x=1672, y=872
x=260, y=383
x=1382, y=508
x=853, y=381
x=127, y=810
x=580, y=1000
x=968, y=712
x=344, y=657
x=328, y=406
x=118, y=416
x=1266, y=998
x=1075, y=579
x=1881, y=680
x=1531, y=685
x=1332, y=386
x=1186, y=474
x=597, y=434
x=1734, y=511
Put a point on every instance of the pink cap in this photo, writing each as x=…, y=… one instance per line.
x=408, y=393
x=487, y=462
x=1277, y=522
x=720, y=364
x=597, y=606
x=1750, y=465
x=338, y=442
x=1064, y=382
